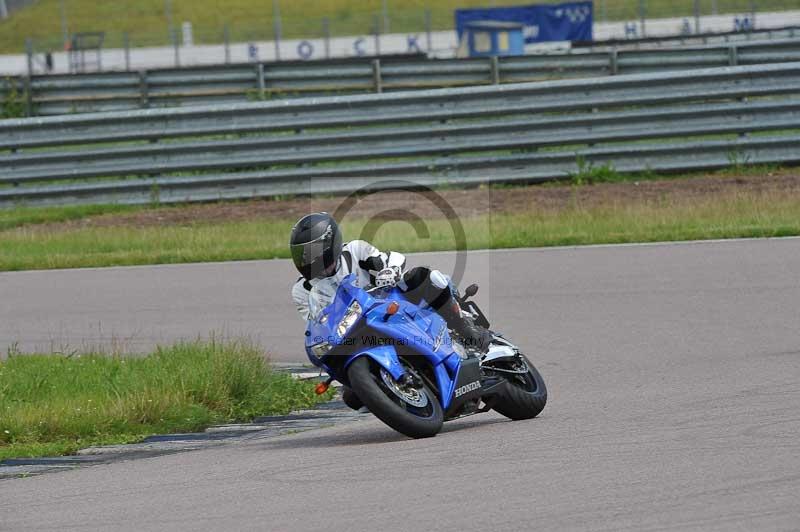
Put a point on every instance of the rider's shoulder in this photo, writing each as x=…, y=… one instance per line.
x=302, y=284
x=359, y=247
x=358, y=244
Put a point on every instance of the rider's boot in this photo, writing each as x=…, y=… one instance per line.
x=473, y=335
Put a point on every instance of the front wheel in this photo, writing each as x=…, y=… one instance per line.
x=411, y=410
x=525, y=394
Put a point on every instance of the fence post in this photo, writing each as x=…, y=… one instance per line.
x=276, y=28
x=428, y=36
x=226, y=35
x=613, y=61
x=144, y=98
x=733, y=55
x=326, y=36
x=643, y=16
x=29, y=55
x=385, y=12
x=494, y=66
x=62, y=11
x=262, y=93
x=177, y=50
x=377, y=33
x=377, y=79
x=127, y=43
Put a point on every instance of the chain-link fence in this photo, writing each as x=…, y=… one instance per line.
x=169, y=33
x=160, y=22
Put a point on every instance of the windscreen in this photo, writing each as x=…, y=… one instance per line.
x=322, y=294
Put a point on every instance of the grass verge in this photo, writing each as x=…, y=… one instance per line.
x=10, y=218
x=728, y=214
x=53, y=405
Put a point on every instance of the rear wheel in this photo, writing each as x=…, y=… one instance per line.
x=410, y=409
x=525, y=394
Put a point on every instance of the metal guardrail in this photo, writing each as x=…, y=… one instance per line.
x=702, y=119
x=68, y=94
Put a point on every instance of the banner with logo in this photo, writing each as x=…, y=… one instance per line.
x=561, y=22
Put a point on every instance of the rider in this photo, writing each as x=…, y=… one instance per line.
x=318, y=252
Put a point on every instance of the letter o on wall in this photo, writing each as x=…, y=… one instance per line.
x=305, y=50
x=358, y=46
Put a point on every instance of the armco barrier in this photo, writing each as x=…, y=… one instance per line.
x=701, y=119
x=116, y=91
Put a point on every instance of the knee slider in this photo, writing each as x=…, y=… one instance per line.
x=439, y=280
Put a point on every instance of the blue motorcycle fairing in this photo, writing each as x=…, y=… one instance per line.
x=385, y=355
x=446, y=384
x=421, y=330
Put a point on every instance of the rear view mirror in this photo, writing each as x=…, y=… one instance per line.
x=471, y=290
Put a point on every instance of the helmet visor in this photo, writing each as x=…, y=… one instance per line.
x=315, y=259
x=304, y=255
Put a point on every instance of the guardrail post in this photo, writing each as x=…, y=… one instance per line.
x=377, y=78
x=733, y=55
x=613, y=61
x=144, y=97
x=494, y=65
x=262, y=93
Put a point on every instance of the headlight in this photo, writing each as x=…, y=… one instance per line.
x=320, y=350
x=351, y=316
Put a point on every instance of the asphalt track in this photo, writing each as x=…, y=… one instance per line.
x=674, y=379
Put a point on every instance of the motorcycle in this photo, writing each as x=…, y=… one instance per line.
x=400, y=361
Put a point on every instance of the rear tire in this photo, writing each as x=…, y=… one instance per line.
x=524, y=396
x=367, y=383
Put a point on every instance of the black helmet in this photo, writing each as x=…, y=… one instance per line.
x=316, y=245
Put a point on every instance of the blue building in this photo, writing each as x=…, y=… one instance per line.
x=490, y=37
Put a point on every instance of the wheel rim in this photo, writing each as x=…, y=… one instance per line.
x=520, y=375
x=412, y=396
x=415, y=401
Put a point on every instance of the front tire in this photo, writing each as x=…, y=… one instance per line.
x=412, y=420
x=524, y=395
x=350, y=398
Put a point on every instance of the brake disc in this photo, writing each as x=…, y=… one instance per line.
x=408, y=394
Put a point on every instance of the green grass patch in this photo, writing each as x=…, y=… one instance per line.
x=30, y=248
x=12, y=99
x=17, y=217
x=146, y=23
x=730, y=214
x=54, y=404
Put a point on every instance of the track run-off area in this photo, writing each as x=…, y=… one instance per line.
x=673, y=372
